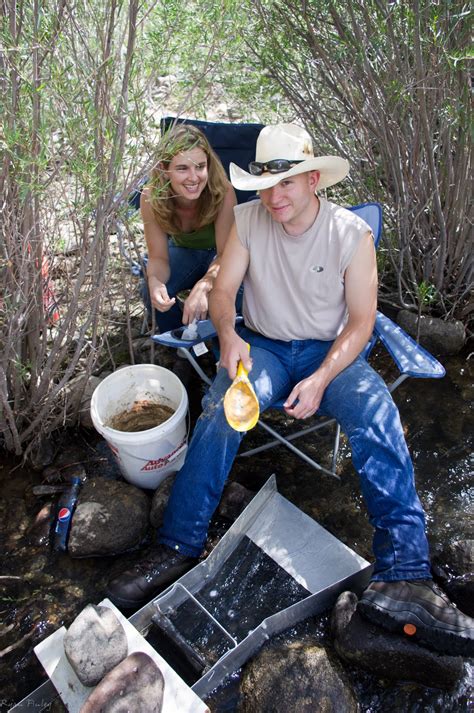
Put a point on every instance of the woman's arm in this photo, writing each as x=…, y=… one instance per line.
x=158, y=267
x=196, y=305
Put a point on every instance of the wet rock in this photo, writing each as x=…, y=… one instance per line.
x=44, y=453
x=10, y=587
x=159, y=501
x=95, y=643
x=74, y=470
x=235, y=499
x=388, y=655
x=436, y=335
x=51, y=474
x=297, y=677
x=39, y=532
x=15, y=522
x=111, y=517
x=136, y=684
x=453, y=568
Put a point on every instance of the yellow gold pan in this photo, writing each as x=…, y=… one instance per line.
x=241, y=405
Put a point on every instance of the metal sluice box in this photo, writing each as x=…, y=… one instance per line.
x=273, y=568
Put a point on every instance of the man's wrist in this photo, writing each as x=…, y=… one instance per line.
x=225, y=328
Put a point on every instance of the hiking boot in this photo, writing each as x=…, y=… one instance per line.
x=419, y=609
x=141, y=583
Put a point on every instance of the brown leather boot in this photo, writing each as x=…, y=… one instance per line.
x=419, y=608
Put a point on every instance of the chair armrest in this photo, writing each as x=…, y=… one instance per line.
x=410, y=358
x=205, y=330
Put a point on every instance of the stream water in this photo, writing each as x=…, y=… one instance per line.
x=40, y=590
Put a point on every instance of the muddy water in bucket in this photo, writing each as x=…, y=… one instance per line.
x=141, y=411
x=141, y=416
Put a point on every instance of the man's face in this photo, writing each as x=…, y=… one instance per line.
x=292, y=201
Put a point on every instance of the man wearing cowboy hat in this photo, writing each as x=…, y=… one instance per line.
x=310, y=297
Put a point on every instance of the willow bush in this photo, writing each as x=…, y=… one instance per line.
x=384, y=84
x=387, y=85
x=79, y=119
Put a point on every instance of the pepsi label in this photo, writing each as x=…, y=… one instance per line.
x=64, y=514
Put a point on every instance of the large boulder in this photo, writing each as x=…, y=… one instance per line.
x=388, y=655
x=295, y=677
x=436, y=335
x=111, y=517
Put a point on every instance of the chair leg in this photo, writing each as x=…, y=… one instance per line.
x=291, y=437
x=285, y=442
x=336, y=448
x=187, y=354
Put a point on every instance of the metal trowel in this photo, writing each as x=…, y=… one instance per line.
x=241, y=405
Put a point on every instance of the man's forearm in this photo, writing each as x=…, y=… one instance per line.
x=347, y=347
x=222, y=311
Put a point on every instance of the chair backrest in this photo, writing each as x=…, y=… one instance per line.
x=372, y=214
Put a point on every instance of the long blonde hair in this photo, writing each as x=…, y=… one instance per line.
x=184, y=137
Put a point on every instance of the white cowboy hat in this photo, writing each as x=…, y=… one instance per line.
x=290, y=142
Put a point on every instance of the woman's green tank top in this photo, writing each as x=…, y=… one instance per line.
x=202, y=239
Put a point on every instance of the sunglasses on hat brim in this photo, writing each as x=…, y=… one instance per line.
x=277, y=165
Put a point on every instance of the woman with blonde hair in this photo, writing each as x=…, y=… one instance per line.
x=187, y=211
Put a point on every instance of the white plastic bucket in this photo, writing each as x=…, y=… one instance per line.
x=145, y=458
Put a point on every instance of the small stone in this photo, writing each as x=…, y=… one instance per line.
x=95, y=643
x=235, y=499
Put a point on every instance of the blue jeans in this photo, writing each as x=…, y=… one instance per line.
x=360, y=401
x=187, y=266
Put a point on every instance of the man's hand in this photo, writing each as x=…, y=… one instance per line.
x=160, y=298
x=233, y=350
x=196, y=304
x=306, y=396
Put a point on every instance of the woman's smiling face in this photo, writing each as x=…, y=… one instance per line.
x=188, y=174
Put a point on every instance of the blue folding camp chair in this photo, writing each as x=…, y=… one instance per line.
x=236, y=142
x=410, y=358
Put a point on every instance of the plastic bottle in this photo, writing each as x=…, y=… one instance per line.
x=191, y=331
x=66, y=505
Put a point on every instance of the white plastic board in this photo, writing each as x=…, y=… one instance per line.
x=178, y=696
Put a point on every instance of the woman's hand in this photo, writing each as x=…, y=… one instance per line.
x=160, y=298
x=197, y=303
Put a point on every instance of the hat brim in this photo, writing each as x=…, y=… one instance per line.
x=332, y=169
